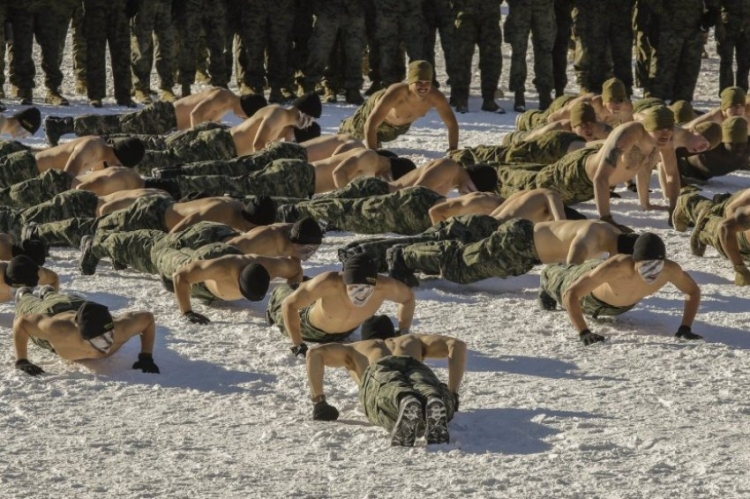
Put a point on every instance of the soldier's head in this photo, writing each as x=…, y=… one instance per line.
x=360, y=275
x=378, y=327
x=484, y=177
x=711, y=132
x=614, y=95
x=583, y=119
x=306, y=237
x=96, y=326
x=658, y=121
x=683, y=111
x=309, y=108
x=252, y=103
x=253, y=282
x=419, y=77
x=400, y=167
x=649, y=255
x=129, y=151
x=304, y=134
x=734, y=135
x=260, y=211
x=30, y=119
x=20, y=271
x=733, y=101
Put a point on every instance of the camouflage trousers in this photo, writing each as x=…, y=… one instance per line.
x=402, y=212
x=534, y=118
x=11, y=146
x=567, y=176
x=155, y=119
x=691, y=205
x=548, y=148
x=464, y=229
x=508, y=252
x=53, y=303
x=355, y=124
x=36, y=190
x=205, y=145
x=169, y=261
x=69, y=204
x=144, y=213
x=282, y=177
x=17, y=167
x=557, y=278
x=709, y=233
x=249, y=163
x=139, y=249
x=309, y=332
x=390, y=379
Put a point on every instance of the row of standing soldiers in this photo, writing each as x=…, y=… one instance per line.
x=296, y=45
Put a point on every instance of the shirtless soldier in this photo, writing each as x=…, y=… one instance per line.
x=76, y=329
x=158, y=118
x=22, y=271
x=390, y=112
x=616, y=285
x=397, y=391
x=330, y=306
x=75, y=157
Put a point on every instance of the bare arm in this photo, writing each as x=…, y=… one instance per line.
x=389, y=100
x=613, y=147
x=187, y=275
x=305, y=294
x=47, y=276
x=445, y=112
x=345, y=171
x=444, y=346
x=687, y=285
x=404, y=296
x=23, y=326
x=671, y=176
x=555, y=204
x=320, y=357
x=643, y=180
x=728, y=230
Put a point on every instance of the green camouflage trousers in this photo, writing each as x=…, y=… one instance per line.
x=207, y=145
x=514, y=137
x=169, y=261
x=509, y=251
x=557, y=278
x=464, y=228
x=144, y=213
x=355, y=124
x=69, y=204
x=548, y=148
x=11, y=146
x=155, y=119
x=709, y=233
x=534, y=118
x=402, y=212
x=53, y=303
x=17, y=167
x=250, y=163
x=388, y=380
x=567, y=176
x=10, y=221
x=309, y=332
x=36, y=190
x=360, y=187
x=282, y=177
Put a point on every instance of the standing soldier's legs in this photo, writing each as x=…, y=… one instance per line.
x=621, y=43
x=564, y=22
x=79, y=50
x=354, y=42
x=465, y=37
x=187, y=24
x=689, y=67
x=373, y=47
x=164, y=50
x=725, y=46
x=142, y=50
x=325, y=30
x=665, y=60
x=743, y=60
x=387, y=24
x=543, y=32
x=255, y=39
x=517, y=28
x=94, y=28
x=22, y=70
x=301, y=33
x=118, y=39
x=490, y=57
x=214, y=23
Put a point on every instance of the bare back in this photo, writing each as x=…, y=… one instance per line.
x=574, y=241
x=109, y=180
x=537, y=205
x=77, y=156
x=268, y=240
x=209, y=105
x=440, y=175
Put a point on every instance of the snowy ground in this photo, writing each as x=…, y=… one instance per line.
x=639, y=416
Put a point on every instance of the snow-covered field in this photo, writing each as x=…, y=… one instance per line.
x=639, y=416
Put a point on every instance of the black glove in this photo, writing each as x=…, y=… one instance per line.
x=196, y=318
x=589, y=338
x=455, y=401
x=146, y=363
x=29, y=368
x=684, y=332
x=710, y=18
x=300, y=349
x=131, y=8
x=323, y=411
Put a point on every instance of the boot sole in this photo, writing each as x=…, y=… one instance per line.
x=407, y=425
x=436, y=416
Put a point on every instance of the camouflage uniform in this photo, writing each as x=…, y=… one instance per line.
x=249, y=163
x=17, y=167
x=155, y=119
x=399, y=21
x=105, y=24
x=202, y=145
x=538, y=18
x=43, y=20
x=169, y=261
x=604, y=42
x=534, y=118
x=11, y=146
x=388, y=380
x=144, y=213
x=464, y=229
x=402, y=212
x=355, y=124
x=710, y=232
x=190, y=16
x=646, y=31
x=677, y=55
x=545, y=149
x=282, y=177
x=568, y=177
x=78, y=48
x=309, y=332
x=691, y=206
x=557, y=278
x=267, y=27
x=477, y=23
x=509, y=251
x=733, y=37
x=564, y=22
x=153, y=34
x=53, y=303
x=439, y=17
x=68, y=204
x=337, y=17
x=36, y=190
x=3, y=18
